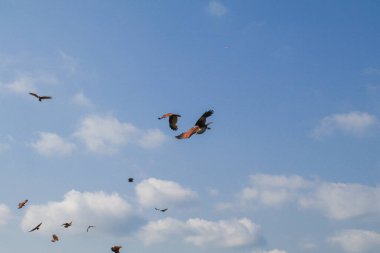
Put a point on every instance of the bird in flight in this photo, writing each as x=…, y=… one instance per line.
x=162, y=210
x=130, y=180
x=36, y=228
x=22, y=204
x=55, y=238
x=67, y=224
x=199, y=128
x=116, y=249
x=173, y=118
x=40, y=98
x=90, y=227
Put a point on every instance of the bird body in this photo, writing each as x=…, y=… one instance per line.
x=162, y=210
x=130, y=180
x=173, y=118
x=40, y=98
x=36, y=228
x=22, y=204
x=67, y=224
x=199, y=128
x=55, y=238
x=116, y=249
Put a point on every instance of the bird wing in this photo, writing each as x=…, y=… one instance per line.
x=165, y=115
x=46, y=97
x=37, y=227
x=173, y=121
x=164, y=210
x=34, y=94
x=22, y=204
x=201, y=122
x=189, y=133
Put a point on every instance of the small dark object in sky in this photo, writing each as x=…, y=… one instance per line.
x=55, y=238
x=22, y=204
x=116, y=249
x=66, y=225
x=173, y=118
x=90, y=227
x=130, y=179
x=36, y=228
x=40, y=98
x=162, y=210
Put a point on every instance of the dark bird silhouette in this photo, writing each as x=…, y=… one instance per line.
x=55, y=238
x=66, y=225
x=130, y=180
x=36, y=228
x=162, y=210
x=40, y=98
x=116, y=249
x=88, y=228
x=22, y=204
x=199, y=128
x=173, y=118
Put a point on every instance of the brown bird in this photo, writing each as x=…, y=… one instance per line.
x=66, y=225
x=22, y=204
x=173, y=118
x=116, y=249
x=199, y=128
x=55, y=238
x=36, y=228
x=162, y=210
x=40, y=98
x=90, y=227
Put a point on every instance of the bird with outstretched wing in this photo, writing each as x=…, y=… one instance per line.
x=40, y=98
x=200, y=126
x=22, y=204
x=173, y=118
x=36, y=228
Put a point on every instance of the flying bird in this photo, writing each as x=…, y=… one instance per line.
x=40, y=98
x=199, y=128
x=22, y=204
x=162, y=210
x=55, y=238
x=66, y=225
x=36, y=228
x=173, y=118
x=130, y=180
x=116, y=249
x=90, y=227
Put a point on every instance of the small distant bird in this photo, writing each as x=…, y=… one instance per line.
x=173, y=118
x=66, y=225
x=40, y=98
x=55, y=238
x=116, y=249
x=199, y=128
x=130, y=180
x=22, y=204
x=36, y=228
x=90, y=227
x=162, y=210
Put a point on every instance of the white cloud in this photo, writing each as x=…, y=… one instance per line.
x=5, y=214
x=106, y=211
x=81, y=100
x=154, y=192
x=52, y=144
x=216, y=8
x=337, y=201
x=106, y=134
x=352, y=123
x=355, y=240
x=231, y=233
x=26, y=83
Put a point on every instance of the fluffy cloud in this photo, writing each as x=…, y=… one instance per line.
x=353, y=123
x=216, y=8
x=355, y=240
x=5, y=214
x=26, y=83
x=231, y=233
x=52, y=144
x=81, y=100
x=107, y=134
x=153, y=192
x=107, y=211
x=337, y=201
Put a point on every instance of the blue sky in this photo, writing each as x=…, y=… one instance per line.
x=290, y=164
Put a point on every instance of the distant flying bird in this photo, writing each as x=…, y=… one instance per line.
x=22, y=204
x=36, y=228
x=66, y=225
x=130, y=179
x=116, y=249
x=173, y=118
x=55, y=238
x=90, y=227
x=199, y=128
x=162, y=210
x=40, y=98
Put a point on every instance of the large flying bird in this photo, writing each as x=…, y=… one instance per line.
x=116, y=249
x=36, y=228
x=173, y=118
x=40, y=98
x=22, y=204
x=55, y=238
x=199, y=128
x=162, y=210
x=67, y=224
